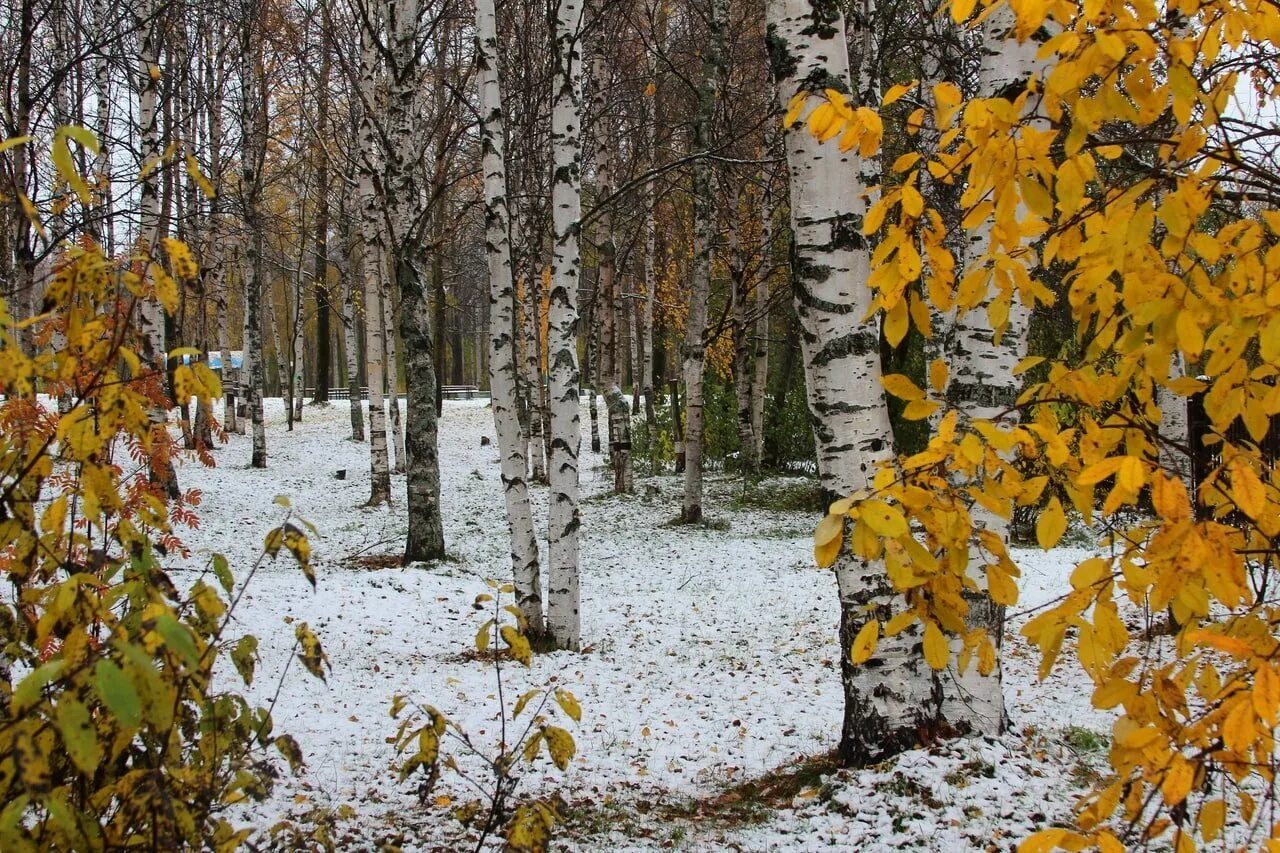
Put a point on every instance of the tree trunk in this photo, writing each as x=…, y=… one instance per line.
x=393, y=381
x=320, y=277
x=151, y=311
x=373, y=236
x=535, y=387
x=889, y=701
x=982, y=386
x=744, y=373
x=620, y=440
x=760, y=333
x=563, y=621
x=425, y=539
x=297, y=322
x=694, y=352
x=503, y=353
x=254, y=121
x=350, y=316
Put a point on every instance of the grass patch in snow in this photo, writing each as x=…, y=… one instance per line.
x=720, y=525
x=1085, y=740
x=788, y=496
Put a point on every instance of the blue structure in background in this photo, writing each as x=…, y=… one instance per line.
x=215, y=359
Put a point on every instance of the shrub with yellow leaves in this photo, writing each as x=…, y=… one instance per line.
x=112, y=734
x=1131, y=163
x=525, y=826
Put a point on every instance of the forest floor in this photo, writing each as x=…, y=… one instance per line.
x=709, y=682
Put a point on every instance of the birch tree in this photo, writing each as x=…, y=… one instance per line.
x=887, y=707
x=563, y=623
x=694, y=352
x=373, y=241
x=504, y=364
x=253, y=121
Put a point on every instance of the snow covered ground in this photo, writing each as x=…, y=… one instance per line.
x=711, y=661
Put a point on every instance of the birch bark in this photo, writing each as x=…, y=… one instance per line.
x=151, y=313
x=503, y=353
x=393, y=381
x=254, y=132
x=889, y=700
x=694, y=351
x=563, y=618
x=373, y=238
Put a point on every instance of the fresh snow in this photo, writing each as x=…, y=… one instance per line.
x=710, y=660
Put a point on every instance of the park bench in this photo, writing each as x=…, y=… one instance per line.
x=459, y=392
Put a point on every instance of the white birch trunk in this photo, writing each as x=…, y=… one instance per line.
x=694, y=352
x=563, y=618
x=374, y=242
x=889, y=701
x=503, y=353
x=393, y=380
x=350, y=316
x=104, y=224
x=253, y=118
x=151, y=312
x=983, y=386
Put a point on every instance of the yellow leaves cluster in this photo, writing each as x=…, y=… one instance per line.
x=1113, y=164
x=857, y=127
x=922, y=520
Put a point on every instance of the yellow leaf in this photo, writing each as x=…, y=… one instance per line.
x=569, y=704
x=1051, y=524
x=1266, y=693
x=1169, y=498
x=1239, y=731
x=1177, y=780
x=918, y=410
x=559, y=744
x=938, y=373
x=1246, y=489
x=899, y=623
x=1213, y=815
x=912, y=201
x=902, y=387
x=794, y=109
x=518, y=644
x=1130, y=474
x=882, y=518
x=1190, y=339
x=825, y=555
x=906, y=161
x=64, y=163
x=936, y=652
x=896, y=322
x=896, y=92
x=1001, y=586
x=13, y=142
x=1099, y=471
x=193, y=171
x=960, y=12
x=864, y=645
